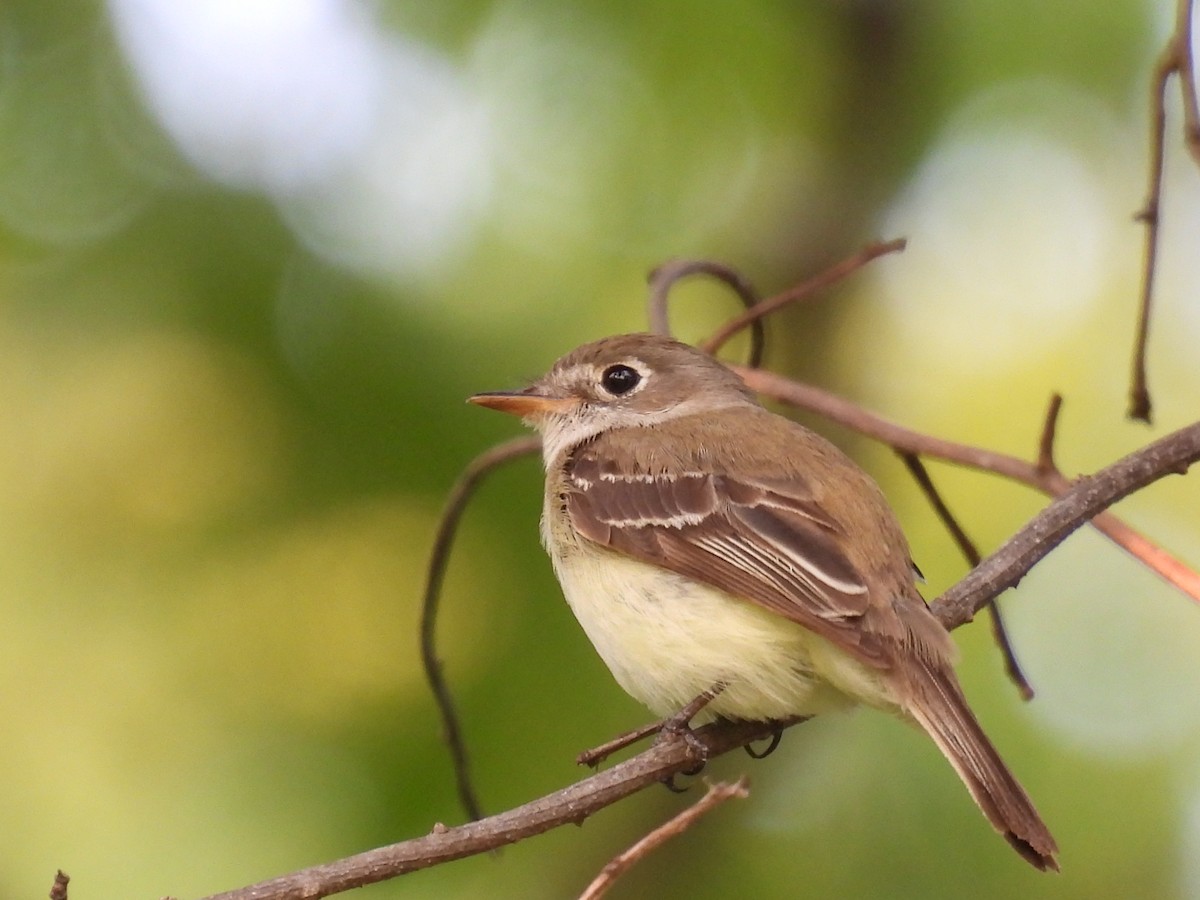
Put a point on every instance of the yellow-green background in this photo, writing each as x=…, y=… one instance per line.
x=231, y=406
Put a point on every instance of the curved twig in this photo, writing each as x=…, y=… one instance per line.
x=803, y=291
x=439, y=557
x=664, y=277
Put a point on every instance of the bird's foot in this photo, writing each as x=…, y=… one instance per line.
x=678, y=727
x=768, y=750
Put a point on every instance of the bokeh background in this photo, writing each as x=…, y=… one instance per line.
x=253, y=256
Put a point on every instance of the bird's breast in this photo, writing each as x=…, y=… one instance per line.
x=667, y=638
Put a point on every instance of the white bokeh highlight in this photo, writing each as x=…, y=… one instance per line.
x=1113, y=653
x=372, y=145
x=408, y=203
x=1014, y=228
x=269, y=93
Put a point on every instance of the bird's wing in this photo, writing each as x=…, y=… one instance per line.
x=760, y=539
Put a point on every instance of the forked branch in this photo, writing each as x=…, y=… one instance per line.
x=673, y=827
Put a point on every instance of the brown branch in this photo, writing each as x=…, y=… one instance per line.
x=1140, y=405
x=59, y=890
x=594, y=756
x=802, y=291
x=901, y=439
x=1045, y=458
x=435, y=574
x=624, y=861
x=573, y=804
x=921, y=475
x=1083, y=501
x=1175, y=59
x=1187, y=78
x=968, y=549
x=663, y=278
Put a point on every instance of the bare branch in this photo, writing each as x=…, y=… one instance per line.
x=1080, y=503
x=623, y=862
x=571, y=805
x=802, y=291
x=968, y=549
x=596, y=755
x=1187, y=78
x=439, y=557
x=1175, y=59
x=1140, y=405
x=664, y=277
x=1045, y=458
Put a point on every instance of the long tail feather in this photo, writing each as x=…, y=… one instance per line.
x=938, y=705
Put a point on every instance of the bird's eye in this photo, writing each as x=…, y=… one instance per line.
x=620, y=379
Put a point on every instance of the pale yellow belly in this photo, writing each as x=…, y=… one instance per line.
x=667, y=639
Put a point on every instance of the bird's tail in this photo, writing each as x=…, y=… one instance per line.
x=938, y=705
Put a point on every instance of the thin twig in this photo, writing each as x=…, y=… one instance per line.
x=664, y=277
x=624, y=861
x=1187, y=78
x=968, y=549
x=1175, y=59
x=802, y=291
x=921, y=475
x=573, y=804
x=1140, y=405
x=596, y=755
x=439, y=557
x=1045, y=457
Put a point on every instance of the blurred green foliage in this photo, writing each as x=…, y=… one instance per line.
x=232, y=383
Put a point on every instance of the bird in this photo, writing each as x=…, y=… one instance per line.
x=713, y=549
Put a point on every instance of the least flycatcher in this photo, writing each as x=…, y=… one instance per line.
x=705, y=543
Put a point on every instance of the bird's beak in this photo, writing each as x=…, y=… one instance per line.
x=524, y=403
